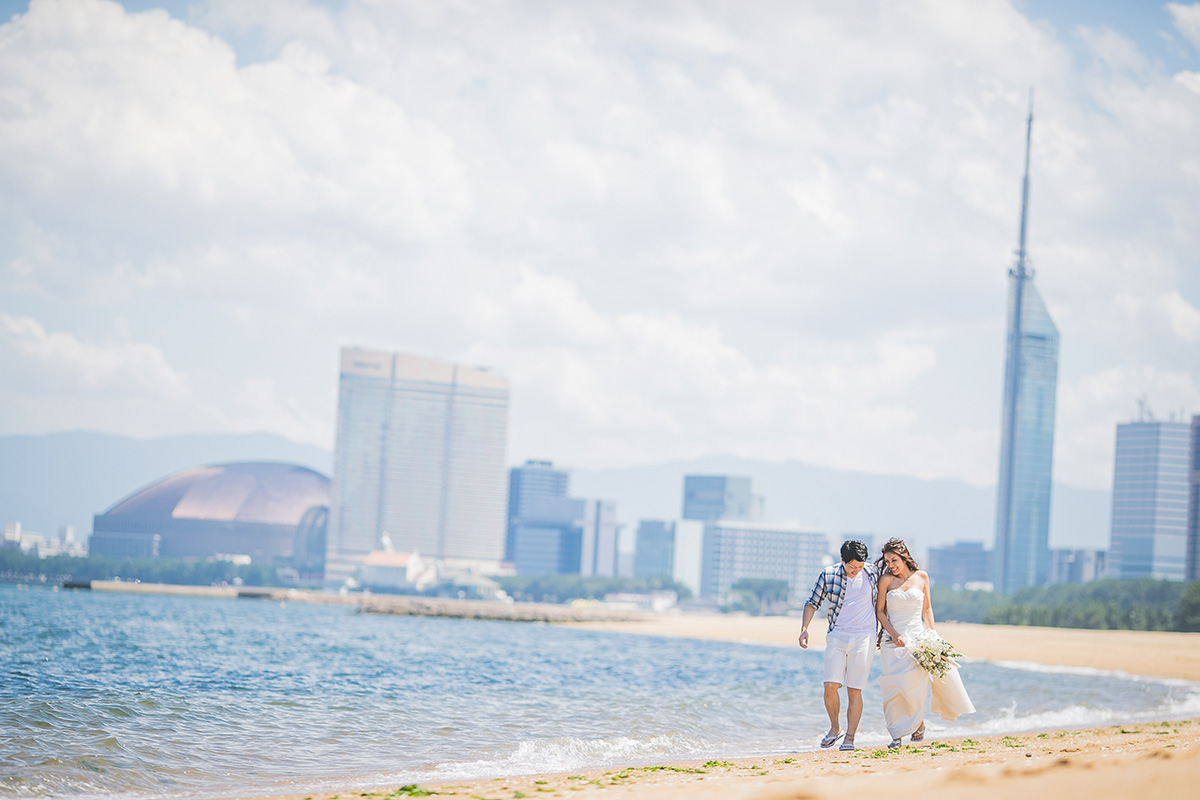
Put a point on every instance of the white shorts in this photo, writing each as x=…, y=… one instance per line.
x=848, y=658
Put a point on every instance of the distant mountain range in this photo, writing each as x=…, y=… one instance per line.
x=57, y=479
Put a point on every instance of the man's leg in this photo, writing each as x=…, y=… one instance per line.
x=854, y=706
x=833, y=706
x=858, y=670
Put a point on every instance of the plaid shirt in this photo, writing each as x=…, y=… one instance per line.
x=830, y=583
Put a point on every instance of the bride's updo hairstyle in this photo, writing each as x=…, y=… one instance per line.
x=898, y=547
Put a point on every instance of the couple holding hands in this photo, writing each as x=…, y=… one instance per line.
x=892, y=594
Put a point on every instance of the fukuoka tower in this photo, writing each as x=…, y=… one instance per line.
x=1022, y=551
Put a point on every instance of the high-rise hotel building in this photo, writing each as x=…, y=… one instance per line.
x=737, y=549
x=1022, y=552
x=419, y=463
x=1193, y=518
x=1150, y=501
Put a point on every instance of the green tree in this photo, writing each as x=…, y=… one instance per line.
x=15, y=565
x=565, y=588
x=1187, y=615
x=760, y=595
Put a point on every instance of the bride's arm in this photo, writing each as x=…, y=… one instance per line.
x=927, y=611
x=881, y=610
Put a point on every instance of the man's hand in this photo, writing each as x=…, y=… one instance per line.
x=804, y=639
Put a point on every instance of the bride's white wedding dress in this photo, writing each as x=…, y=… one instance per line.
x=905, y=685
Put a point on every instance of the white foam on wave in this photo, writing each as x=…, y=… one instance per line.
x=1060, y=669
x=1079, y=715
x=560, y=755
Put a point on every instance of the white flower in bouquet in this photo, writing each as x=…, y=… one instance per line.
x=932, y=653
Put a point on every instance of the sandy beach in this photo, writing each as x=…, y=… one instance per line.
x=1157, y=653
x=1160, y=759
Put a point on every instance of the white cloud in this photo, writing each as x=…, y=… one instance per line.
x=775, y=230
x=818, y=197
x=633, y=388
x=136, y=365
x=1186, y=17
x=258, y=406
x=1182, y=316
x=143, y=110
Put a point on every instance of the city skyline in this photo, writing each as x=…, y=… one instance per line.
x=777, y=234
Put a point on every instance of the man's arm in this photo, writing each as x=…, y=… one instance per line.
x=809, y=611
x=810, y=608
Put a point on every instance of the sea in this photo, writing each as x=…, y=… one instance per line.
x=127, y=696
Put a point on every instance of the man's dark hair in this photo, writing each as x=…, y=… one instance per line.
x=854, y=551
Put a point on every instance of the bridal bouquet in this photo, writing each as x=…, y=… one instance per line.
x=932, y=653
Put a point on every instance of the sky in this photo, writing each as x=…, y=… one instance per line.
x=774, y=230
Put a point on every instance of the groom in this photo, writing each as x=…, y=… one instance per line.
x=851, y=588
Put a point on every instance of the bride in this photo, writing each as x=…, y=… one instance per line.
x=904, y=610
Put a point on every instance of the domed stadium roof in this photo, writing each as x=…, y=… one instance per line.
x=260, y=492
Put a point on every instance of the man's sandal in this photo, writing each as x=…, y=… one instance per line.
x=848, y=744
x=831, y=740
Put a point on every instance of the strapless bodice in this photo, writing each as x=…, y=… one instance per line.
x=904, y=609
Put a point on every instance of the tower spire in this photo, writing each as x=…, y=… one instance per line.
x=1021, y=271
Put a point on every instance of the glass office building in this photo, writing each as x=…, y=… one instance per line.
x=526, y=484
x=1150, y=501
x=1022, y=551
x=419, y=463
x=670, y=549
x=713, y=497
x=566, y=536
x=960, y=564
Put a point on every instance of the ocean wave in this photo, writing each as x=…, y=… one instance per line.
x=1061, y=669
x=561, y=755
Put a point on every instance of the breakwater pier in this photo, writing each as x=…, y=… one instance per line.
x=366, y=602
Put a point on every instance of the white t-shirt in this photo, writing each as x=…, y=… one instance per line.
x=858, y=611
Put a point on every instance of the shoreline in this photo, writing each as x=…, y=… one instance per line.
x=1122, y=760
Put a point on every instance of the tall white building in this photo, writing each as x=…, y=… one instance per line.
x=419, y=463
x=734, y=550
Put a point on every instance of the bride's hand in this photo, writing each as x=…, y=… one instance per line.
x=899, y=641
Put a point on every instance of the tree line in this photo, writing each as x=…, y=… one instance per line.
x=565, y=588
x=25, y=568
x=1141, y=604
